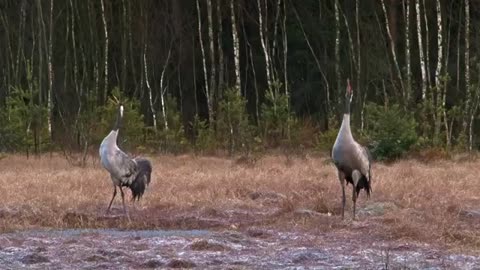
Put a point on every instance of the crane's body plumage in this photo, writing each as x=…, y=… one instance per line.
x=124, y=171
x=352, y=160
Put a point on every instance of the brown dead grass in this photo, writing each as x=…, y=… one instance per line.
x=209, y=192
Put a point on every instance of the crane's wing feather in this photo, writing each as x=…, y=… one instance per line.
x=124, y=165
x=363, y=160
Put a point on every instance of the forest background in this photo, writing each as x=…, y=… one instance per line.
x=239, y=77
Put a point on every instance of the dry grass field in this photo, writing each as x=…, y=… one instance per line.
x=437, y=203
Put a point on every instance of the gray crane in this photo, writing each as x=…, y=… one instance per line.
x=352, y=160
x=125, y=172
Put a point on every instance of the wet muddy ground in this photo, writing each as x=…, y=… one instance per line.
x=252, y=248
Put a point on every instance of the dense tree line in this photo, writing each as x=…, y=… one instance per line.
x=236, y=74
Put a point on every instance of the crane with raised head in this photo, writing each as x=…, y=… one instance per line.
x=134, y=173
x=352, y=160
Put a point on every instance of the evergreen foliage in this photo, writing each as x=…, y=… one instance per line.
x=391, y=131
x=234, y=131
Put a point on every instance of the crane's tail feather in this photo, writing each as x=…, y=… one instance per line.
x=364, y=183
x=143, y=178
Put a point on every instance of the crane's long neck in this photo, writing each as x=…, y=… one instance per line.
x=345, y=128
x=347, y=106
x=111, y=139
x=118, y=122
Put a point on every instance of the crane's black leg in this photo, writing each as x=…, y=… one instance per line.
x=123, y=201
x=113, y=197
x=356, y=175
x=341, y=177
x=354, y=199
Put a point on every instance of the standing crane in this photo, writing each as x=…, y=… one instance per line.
x=125, y=172
x=352, y=160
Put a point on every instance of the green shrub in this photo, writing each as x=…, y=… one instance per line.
x=204, y=136
x=277, y=119
x=23, y=124
x=173, y=139
x=391, y=131
x=234, y=131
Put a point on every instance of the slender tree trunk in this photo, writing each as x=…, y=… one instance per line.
x=459, y=55
x=76, y=86
x=351, y=44
x=41, y=33
x=252, y=63
x=124, y=46
x=427, y=46
x=20, y=41
x=407, y=53
x=285, y=49
x=149, y=88
x=236, y=46
x=468, y=91
x=213, y=64
x=163, y=88
x=337, y=52
x=445, y=85
x=275, y=29
x=130, y=40
x=50, y=71
x=204, y=61
x=394, y=53
x=264, y=42
x=11, y=63
x=105, y=70
x=221, y=63
x=423, y=68
x=195, y=77
x=438, y=88
x=327, y=87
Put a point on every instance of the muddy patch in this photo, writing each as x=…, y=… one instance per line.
x=204, y=249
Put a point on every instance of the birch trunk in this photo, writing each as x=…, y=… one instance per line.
x=105, y=71
x=163, y=89
x=130, y=41
x=350, y=42
x=468, y=91
x=236, y=46
x=337, y=52
x=427, y=45
x=285, y=48
x=204, y=61
x=420, y=51
x=194, y=78
x=438, y=88
x=124, y=46
x=149, y=88
x=359, y=67
x=20, y=41
x=41, y=33
x=393, y=51
x=50, y=71
x=407, y=52
x=263, y=40
x=275, y=29
x=212, y=62
x=221, y=64
x=445, y=85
